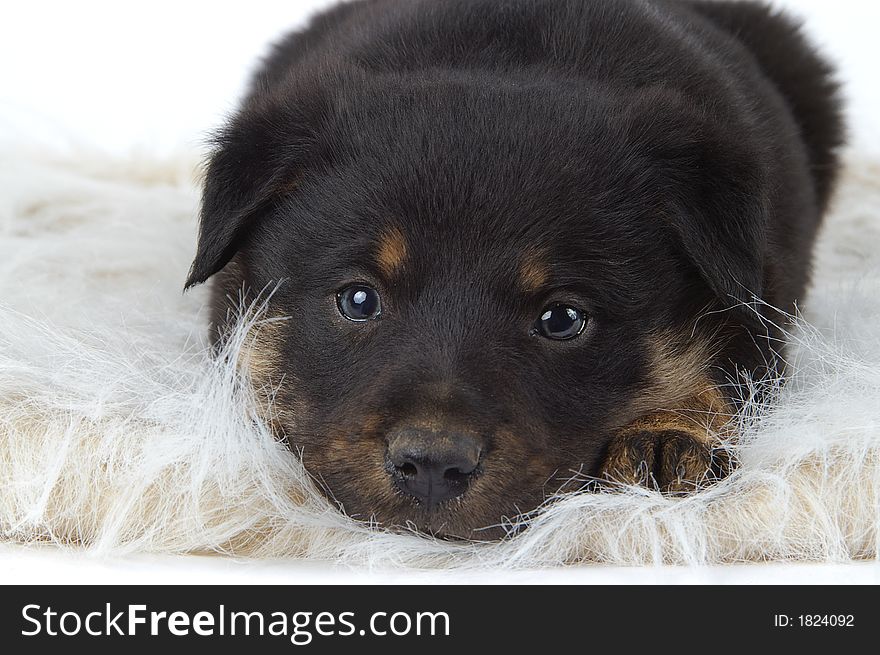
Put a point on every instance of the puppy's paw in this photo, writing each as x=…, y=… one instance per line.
x=673, y=461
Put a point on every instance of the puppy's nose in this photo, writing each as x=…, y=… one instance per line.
x=433, y=465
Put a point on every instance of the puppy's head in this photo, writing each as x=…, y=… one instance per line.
x=481, y=286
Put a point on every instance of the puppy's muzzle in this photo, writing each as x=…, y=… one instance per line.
x=433, y=465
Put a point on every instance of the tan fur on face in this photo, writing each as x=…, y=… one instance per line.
x=260, y=354
x=392, y=251
x=678, y=371
x=679, y=418
x=261, y=360
x=534, y=272
x=681, y=395
x=290, y=185
x=702, y=416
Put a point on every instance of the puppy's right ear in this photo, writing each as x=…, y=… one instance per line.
x=255, y=158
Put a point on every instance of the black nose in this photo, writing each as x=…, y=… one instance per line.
x=433, y=465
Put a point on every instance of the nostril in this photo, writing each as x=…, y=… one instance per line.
x=407, y=470
x=455, y=475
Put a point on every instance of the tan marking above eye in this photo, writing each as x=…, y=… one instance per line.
x=534, y=272
x=392, y=251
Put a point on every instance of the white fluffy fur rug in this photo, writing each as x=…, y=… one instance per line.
x=118, y=431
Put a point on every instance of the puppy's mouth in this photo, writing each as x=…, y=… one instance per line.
x=459, y=483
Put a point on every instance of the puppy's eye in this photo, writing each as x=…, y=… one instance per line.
x=560, y=322
x=359, y=302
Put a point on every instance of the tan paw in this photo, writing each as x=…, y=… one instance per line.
x=673, y=461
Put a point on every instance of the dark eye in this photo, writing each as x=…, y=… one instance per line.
x=359, y=303
x=560, y=322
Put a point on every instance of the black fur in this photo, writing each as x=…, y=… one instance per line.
x=668, y=160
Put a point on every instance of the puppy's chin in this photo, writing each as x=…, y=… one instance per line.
x=455, y=519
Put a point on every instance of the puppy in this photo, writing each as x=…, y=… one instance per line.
x=519, y=244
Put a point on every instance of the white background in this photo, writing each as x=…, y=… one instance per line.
x=156, y=77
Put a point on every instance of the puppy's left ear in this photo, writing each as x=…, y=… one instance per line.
x=259, y=154
x=713, y=187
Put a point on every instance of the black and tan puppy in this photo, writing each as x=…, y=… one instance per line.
x=514, y=240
